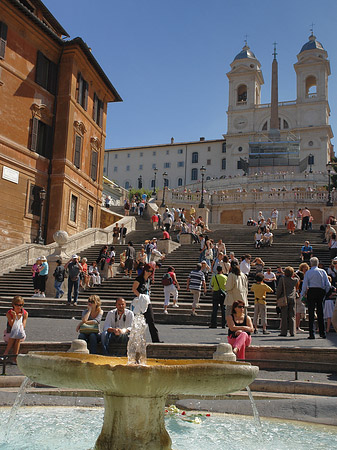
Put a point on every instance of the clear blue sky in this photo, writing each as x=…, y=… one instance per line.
x=168, y=59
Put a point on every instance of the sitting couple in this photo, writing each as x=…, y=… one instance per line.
x=117, y=325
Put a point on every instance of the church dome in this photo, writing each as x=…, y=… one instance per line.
x=245, y=53
x=312, y=44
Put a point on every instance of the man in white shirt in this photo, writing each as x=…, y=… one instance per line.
x=268, y=238
x=270, y=278
x=245, y=265
x=117, y=326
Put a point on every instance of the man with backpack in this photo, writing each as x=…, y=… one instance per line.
x=218, y=284
x=59, y=274
x=171, y=286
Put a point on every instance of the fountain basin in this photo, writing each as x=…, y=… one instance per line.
x=134, y=395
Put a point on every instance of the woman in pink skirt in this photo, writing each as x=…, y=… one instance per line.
x=240, y=327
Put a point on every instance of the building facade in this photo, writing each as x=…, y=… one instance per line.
x=303, y=125
x=53, y=97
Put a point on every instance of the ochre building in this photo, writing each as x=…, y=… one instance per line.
x=53, y=106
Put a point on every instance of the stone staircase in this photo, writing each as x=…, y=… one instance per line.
x=285, y=251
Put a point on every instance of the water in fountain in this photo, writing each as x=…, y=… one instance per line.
x=137, y=342
x=53, y=428
x=26, y=384
x=255, y=411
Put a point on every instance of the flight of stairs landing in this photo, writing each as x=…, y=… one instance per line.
x=239, y=239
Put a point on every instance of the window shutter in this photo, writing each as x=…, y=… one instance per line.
x=80, y=88
x=49, y=142
x=34, y=135
x=85, y=94
x=78, y=147
x=3, y=39
x=94, y=159
x=94, y=112
x=100, y=109
x=52, y=77
x=41, y=76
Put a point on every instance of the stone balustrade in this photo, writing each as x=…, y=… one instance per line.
x=272, y=197
x=27, y=254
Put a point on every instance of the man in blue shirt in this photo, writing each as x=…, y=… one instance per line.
x=315, y=286
x=306, y=251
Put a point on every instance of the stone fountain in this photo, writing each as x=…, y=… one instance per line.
x=135, y=394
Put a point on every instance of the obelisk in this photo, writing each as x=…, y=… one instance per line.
x=274, y=131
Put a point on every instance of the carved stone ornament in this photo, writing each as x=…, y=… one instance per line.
x=95, y=143
x=80, y=127
x=41, y=112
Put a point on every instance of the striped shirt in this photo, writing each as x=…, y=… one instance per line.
x=196, y=278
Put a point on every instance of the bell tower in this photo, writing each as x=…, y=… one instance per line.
x=312, y=72
x=245, y=81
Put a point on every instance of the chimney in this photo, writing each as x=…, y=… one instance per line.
x=202, y=139
x=172, y=140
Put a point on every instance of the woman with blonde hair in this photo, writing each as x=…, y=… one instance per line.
x=89, y=326
x=236, y=286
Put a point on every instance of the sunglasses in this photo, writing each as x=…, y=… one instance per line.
x=91, y=301
x=241, y=306
x=20, y=305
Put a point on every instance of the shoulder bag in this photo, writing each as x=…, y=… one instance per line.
x=282, y=301
x=87, y=328
x=222, y=292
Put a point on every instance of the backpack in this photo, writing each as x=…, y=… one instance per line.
x=166, y=280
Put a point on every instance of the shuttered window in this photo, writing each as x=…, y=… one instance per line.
x=82, y=91
x=3, y=39
x=90, y=216
x=46, y=73
x=41, y=138
x=78, y=151
x=73, y=208
x=98, y=111
x=34, y=203
x=94, y=161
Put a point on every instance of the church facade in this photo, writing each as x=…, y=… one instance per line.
x=303, y=124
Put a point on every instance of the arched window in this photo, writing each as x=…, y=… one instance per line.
x=223, y=164
x=127, y=185
x=180, y=181
x=311, y=87
x=195, y=157
x=224, y=147
x=166, y=182
x=242, y=93
x=194, y=174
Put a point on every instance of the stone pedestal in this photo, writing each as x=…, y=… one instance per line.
x=185, y=239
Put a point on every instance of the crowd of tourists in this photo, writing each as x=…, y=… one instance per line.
x=309, y=288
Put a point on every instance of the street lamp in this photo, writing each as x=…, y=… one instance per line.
x=164, y=178
x=155, y=170
x=42, y=195
x=329, y=202
x=202, y=170
x=140, y=182
x=311, y=161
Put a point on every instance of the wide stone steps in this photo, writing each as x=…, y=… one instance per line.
x=285, y=251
